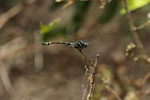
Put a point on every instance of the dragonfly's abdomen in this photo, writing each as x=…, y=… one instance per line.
x=50, y=43
x=66, y=43
x=78, y=45
x=46, y=43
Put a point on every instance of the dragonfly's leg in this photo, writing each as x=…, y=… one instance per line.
x=80, y=50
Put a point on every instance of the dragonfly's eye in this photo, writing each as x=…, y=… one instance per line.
x=86, y=44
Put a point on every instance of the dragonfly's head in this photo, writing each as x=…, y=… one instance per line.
x=85, y=44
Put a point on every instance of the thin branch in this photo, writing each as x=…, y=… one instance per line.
x=113, y=92
x=13, y=12
x=4, y=75
x=38, y=55
x=91, y=81
x=91, y=78
x=144, y=80
x=7, y=57
x=138, y=86
x=108, y=87
x=132, y=28
x=103, y=4
x=9, y=14
x=143, y=25
x=91, y=75
x=70, y=2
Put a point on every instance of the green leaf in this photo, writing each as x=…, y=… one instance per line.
x=47, y=28
x=135, y=4
x=59, y=31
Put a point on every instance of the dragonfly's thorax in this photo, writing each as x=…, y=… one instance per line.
x=80, y=44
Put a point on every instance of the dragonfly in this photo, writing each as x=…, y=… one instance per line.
x=79, y=45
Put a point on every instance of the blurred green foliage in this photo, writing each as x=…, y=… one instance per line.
x=135, y=4
x=57, y=31
x=56, y=5
x=110, y=11
x=47, y=28
x=7, y=4
x=50, y=31
x=79, y=14
x=78, y=17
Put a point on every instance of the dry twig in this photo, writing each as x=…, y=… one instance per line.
x=91, y=74
x=91, y=78
x=12, y=12
x=4, y=75
x=103, y=4
x=138, y=86
x=143, y=25
x=7, y=54
x=132, y=28
x=107, y=86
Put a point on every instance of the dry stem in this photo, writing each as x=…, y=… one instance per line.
x=132, y=29
x=91, y=74
x=143, y=25
x=91, y=78
x=103, y=4
x=4, y=75
x=138, y=86
x=11, y=13
x=108, y=87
